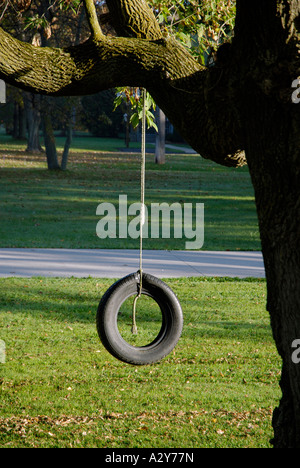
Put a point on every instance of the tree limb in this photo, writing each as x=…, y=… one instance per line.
x=92, y=66
x=134, y=19
x=94, y=24
x=198, y=101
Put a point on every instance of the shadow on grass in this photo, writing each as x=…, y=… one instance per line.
x=229, y=330
x=76, y=301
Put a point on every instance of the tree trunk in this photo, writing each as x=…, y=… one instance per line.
x=49, y=140
x=15, y=132
x=127, y=125
x=272, y=146
x=160, y=142
x=19, y=122
x=273, y=153
x=67, y=146
x=22, y=122
x=33, y=115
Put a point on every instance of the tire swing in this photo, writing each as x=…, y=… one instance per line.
x=139, y=284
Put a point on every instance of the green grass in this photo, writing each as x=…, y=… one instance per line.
x=82, y=143
x=39, y=208
x=60, y=388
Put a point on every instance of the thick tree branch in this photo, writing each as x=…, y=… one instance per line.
x=94, y=24
x=92, y=66
x=190, y=95
x=134, y=19
x=196, y=100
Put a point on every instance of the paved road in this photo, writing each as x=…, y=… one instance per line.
x=118, y=263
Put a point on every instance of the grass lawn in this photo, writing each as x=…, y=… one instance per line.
x=39, y=208
x=60, y=388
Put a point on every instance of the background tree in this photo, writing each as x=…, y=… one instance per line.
x=26, y=105
x=42, y=23
x=52, y=24
x=238, y=110
x=99, y=117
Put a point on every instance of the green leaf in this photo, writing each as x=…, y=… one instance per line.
x=134, y=120
x=124, y=94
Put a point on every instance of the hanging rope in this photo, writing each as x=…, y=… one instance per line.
x=142, y=211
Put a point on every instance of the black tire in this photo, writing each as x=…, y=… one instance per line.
x=107, y=318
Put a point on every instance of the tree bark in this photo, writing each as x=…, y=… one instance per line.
x=274, y=159
x=134, y=19
x=272, y=145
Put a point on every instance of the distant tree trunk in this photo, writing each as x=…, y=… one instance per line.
x=19, y=121
x=127, y=125
x=79, y=26
x=160, y=143
x=15, y=132
x=49, y=139
x=67, y=146
x=22, y=122
x=32, y=104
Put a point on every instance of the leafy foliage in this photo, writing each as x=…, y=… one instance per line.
x=40, y=21
x=199, y=25
x=134, y=97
